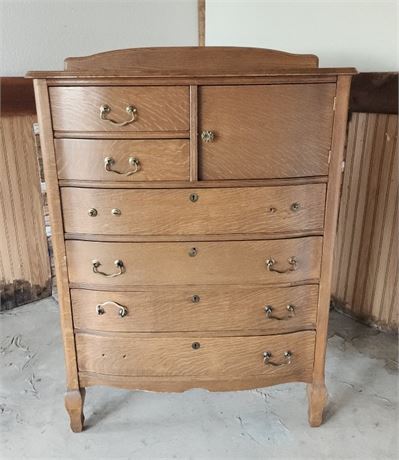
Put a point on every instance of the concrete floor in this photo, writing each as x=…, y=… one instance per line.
x=361, y=421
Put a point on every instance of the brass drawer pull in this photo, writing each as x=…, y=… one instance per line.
x=122, y=311
x=269, y=310
x=106, y=109
x=118, y=263
x=133, y=162
x=267, y=355
x=291, y=260
x=207, y=136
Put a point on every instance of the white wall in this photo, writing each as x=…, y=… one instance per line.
x=362, y=33
x=39, y=34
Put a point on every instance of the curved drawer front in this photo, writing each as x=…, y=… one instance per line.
x=290, y=355
x=229, y=262
x=270, y=310
x=265, y=131
x=122, y=160
x=296, y=208
x=154, y=108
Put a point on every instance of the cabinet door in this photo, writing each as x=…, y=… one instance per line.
x=265, y=131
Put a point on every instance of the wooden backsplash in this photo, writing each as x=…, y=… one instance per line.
x=365, y=281
x=24, y=260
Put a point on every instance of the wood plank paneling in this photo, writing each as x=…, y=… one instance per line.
x=24, y=261
x=366, y=253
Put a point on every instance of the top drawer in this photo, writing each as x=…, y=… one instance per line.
x=265, y=131
x=120, y=108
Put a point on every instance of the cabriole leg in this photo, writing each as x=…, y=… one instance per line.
x=317, y=400
x=74, y=400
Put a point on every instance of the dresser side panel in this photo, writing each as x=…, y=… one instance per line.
x=54, y=202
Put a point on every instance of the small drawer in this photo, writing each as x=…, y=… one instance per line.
x=193, y=263
x=122, y=160
x=289, y=356
x=196, y=309
x=264, y=210
x=120, y=108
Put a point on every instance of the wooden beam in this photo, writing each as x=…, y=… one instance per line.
x=201, y=22
x=374, y=92
x=17, y=96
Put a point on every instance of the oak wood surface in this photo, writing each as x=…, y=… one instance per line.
x=179, y=384
x=265, y=131
x=331, y=217
x=198, y=184
x=279, y=124
x=74, y=401
x=191, y=60
x=50, y=170
x=160, y=160
x=216, y=356
x=158, y=108
x=197, y=308
x=216, y=211
x=227, y=262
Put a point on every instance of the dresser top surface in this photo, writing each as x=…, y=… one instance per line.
x=191, y=62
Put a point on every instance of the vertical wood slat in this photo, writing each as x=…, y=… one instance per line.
x=24, y=261
x=201, y=22
x=365, y=281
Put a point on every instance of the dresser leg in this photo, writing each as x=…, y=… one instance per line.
x=317, y=399
x=74, y=400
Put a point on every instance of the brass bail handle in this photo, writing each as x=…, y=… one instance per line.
x=118, y=263
x=105, y=109
x=267, y=356
x=134, y=163
x=292, y=261
x=269, y=313
x=122, y=311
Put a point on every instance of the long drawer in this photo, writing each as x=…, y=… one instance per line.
x=288, y=354
x=123, y=160
x=228, y=262
x=266, y=309
x=297, y=208
x=101, y=108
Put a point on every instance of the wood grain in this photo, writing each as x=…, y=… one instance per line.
x=222, y=357
x=213, y=309
x=295, y=137
x=24, y=260
x=198, y=184
x=160, y=160
x=201, y=22
x=317, y=390
x=366, y=255
x=158, y=108
x=223, y=60
x=225, y=262
x=179, y=384
x=279, y=125
x=216, y=211
x=50, y=170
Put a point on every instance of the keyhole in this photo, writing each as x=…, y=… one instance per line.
x=195, y=345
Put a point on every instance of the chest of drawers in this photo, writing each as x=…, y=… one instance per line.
x=193, y=195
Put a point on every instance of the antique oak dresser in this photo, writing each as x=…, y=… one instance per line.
x=193, y=195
